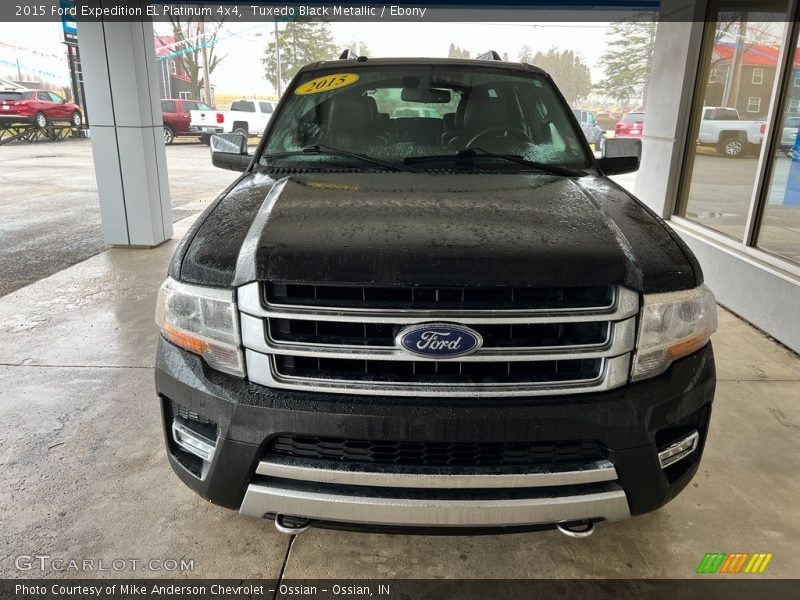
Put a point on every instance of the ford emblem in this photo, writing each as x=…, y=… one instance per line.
x=439, y=340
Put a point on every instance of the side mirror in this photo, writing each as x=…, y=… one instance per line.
x=229, y=151
x=620, y=156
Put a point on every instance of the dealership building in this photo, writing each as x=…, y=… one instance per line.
x=741, y=216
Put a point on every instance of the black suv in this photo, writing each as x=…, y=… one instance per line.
x=425, y=307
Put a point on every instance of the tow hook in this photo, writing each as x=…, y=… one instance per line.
x=291, y=528
x=582, y=528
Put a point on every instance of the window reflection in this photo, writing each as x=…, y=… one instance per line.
x=736, y=97
x=780, y=224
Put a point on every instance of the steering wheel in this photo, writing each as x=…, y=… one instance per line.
x=518, y=133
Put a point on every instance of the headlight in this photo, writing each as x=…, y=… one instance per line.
x=203, y=321
x=673, y=325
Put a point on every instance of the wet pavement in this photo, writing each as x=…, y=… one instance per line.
x=50, y=213
x=83, y=471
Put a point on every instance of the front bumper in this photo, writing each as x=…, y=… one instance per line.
x=632, y=423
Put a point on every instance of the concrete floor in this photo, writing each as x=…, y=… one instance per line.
x=83, y=472
x=50, y=213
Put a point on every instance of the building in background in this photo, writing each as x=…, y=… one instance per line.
x=173, y=81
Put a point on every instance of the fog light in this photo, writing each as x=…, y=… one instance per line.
x=679, y=450
x=193, y=442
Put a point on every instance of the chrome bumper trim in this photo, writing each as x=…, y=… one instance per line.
x=596, y=472
x=609, y=504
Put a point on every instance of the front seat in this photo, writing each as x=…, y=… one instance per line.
x=481, y=113
x=349, y=123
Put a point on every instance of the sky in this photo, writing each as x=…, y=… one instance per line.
x=39, y=48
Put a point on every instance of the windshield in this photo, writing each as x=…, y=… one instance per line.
x=402, y=114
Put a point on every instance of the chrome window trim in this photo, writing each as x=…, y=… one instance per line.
x=622, y=339
x=626, y=304
x=614, y=373
x=601, y=470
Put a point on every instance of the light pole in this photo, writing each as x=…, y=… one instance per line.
x=278, y=57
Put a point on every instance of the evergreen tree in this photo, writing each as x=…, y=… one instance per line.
x=628, y=60
x=300, y=43
x=568, y=70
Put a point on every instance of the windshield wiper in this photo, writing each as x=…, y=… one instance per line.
x=321, y=149
x=471, y=153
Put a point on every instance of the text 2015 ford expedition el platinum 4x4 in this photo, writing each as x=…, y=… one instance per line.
x=445, y=323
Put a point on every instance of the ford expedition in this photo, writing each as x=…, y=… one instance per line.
x=446, y=320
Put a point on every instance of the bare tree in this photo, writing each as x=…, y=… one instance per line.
x=195, y=48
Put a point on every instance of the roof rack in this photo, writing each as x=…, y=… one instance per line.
x=489, y=55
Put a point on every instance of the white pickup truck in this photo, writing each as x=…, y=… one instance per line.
x=249, y=117
x=722, y=128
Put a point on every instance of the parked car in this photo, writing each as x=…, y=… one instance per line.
x=630, y=126
x=176, y=118
x=38, y=107
x=248, y=117
x=789, y=134
x=378, y=326
x=595, y=135
x=732, y=137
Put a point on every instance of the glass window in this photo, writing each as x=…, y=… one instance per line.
x=203, y=106
x=168, y=106
x=43, y=96
x=758, y=76
x=243, y=106
x=723, y=168
x=266, y=107
x=396, y=113
x=779, y=231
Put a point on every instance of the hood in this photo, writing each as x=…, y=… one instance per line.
x=386, y=229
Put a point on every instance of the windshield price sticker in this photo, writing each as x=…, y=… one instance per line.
x=326, y=83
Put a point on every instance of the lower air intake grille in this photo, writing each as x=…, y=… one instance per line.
x=435, y=454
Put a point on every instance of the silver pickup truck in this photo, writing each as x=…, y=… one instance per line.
x=722, y=128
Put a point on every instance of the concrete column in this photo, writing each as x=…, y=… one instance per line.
x=669, y=99
x=122, y=96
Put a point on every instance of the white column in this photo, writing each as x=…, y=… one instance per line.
x=122, y=96
x=669, y=102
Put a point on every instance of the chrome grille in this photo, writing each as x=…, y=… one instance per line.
x=550, y=342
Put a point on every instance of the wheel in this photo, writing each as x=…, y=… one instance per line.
x=40, y=120
x=76, y=119
x=731, y=147
x=241, y=131
x=169, y=135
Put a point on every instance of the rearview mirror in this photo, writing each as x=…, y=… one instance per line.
x=229, y=151
x=620, y=156
x=426, y=95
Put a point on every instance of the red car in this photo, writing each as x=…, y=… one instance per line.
x=631, y=126
x=175, y=116
x=39, y=107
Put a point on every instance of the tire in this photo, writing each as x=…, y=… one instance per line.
x=205, y=139
x=732, y=147
x=169, y=135
x=76, y=119
x=40, y=120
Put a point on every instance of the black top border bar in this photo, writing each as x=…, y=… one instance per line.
x=231, y=11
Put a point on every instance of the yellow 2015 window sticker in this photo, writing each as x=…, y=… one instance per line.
x=326, y=83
